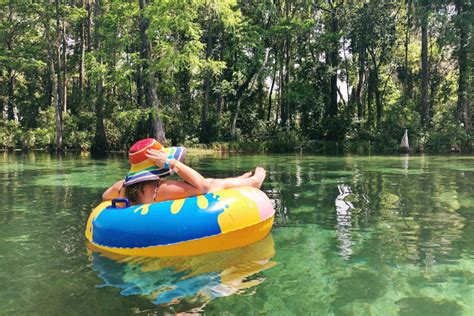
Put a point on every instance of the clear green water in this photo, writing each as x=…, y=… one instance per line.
x=401, y=243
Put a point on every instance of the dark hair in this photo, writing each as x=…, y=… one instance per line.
x=131, y=191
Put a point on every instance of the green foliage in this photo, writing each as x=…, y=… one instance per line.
x=121, y=127
x=447, y=135
x=234, y=75
x=74, y=137
x=274, y=138
x=399, y=117
x=8, y=134
x=45, y=133
x=373, y=29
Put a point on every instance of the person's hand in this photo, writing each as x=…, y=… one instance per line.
x=159, y=157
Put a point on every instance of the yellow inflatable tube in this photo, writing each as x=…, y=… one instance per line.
x=212, y=222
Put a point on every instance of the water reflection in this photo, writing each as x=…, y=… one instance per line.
x=191, y=282
x=344, y=221
x=405, y=209
x=405, y=162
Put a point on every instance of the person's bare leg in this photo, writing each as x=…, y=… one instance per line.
x=246, y=175
x=260, y=174
x=255, y=181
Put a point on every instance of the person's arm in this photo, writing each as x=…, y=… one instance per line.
x=114, y=191
x=188, y=174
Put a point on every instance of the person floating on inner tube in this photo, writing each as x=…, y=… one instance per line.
x=150, y=162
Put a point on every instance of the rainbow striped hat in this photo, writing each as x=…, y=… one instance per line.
x=144, y=169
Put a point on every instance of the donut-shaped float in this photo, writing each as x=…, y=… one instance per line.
x=211, y=222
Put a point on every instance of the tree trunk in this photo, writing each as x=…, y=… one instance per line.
x=100, y=144
x=281, y=94
x=234, y=118
x=406, y=80
x=52, y=76
x=12, y=109
x=82, y=49
x=360, y=84
x=261, y=97
x=270, y=94
x=219, y=101
x=334, y=62
x=89, y=25
x=349, y=96
x=425, y=110
x=378, y=98
x=278, y=104
x=285, y=106
x=59, y=84
x=3, y=104
x=219, y=98
x=285, y=110
x=154, y=127
x=138, y=81
x=462, y=103
x=184, y=80
x=88, y=45
x=238, y=99
x=48, y=96
x=64, y=66
x=205, y=127
x=205, y=111
x=370, y=97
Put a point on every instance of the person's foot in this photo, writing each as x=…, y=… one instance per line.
x=259, y=175
x=246, y=175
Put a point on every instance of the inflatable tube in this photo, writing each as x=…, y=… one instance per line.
x=212, y=222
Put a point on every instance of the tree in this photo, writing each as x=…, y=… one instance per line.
x=97, y=75
x=153, y=126
x=372, y=37
x=462, y=21
x=99, y=146
x=423, y=20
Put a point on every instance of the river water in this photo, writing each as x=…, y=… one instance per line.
x=391, y=235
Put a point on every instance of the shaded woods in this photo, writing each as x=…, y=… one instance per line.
x=253, y=75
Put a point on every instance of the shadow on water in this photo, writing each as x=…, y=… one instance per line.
x=185, y=283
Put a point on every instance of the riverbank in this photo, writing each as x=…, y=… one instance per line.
x=307, y=146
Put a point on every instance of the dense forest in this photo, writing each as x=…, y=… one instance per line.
x=278, y=75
